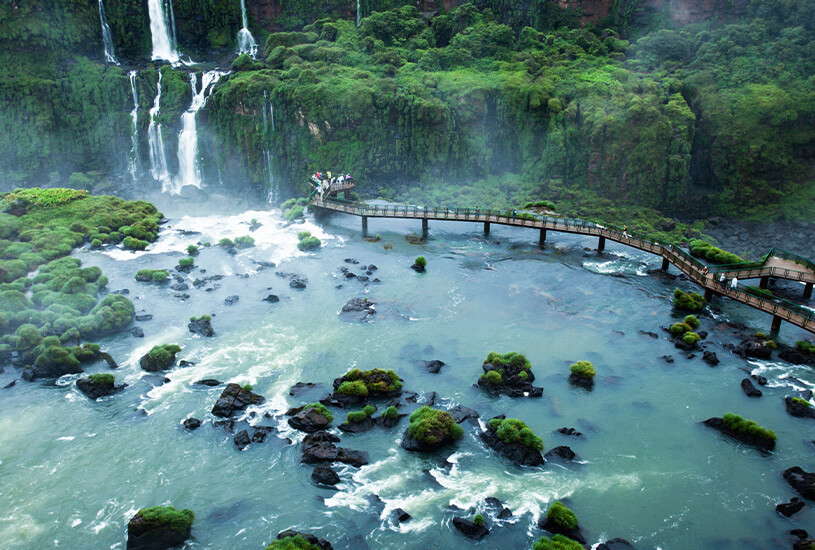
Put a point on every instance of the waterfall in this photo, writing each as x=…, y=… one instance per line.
x=189, y=171
x=158, y=158
x=268, y=161
x=107, y=39
x=270, y=105
x=268, y=157
x=359, y=14
x=134, y=166
x=162, y=30
x=246, y=42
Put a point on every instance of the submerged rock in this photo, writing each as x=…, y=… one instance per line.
x=710, y=358
x=749, y=389
x=569, y=431
x=137, y=332
x=470, y=529
x=803, y=482
x=358, y=309
x=231, y=300
x=98, y=386
x=562, y=452
x=235, y=398
x=272, y=298
x=209, y=382
x=787, y=509
x=434, y=366
x=191, y=424
x=319, y=447
x=800, y=409
x=745, y=437
x=615, y=544
x=324, y=474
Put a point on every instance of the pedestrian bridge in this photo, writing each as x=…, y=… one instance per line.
x=774, y=264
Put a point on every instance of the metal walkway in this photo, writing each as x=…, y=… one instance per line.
x=779, y=308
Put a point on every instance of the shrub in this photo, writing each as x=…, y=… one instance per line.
x=248, y=387
x=226, y=243
x=802, y=402
x=309, y=243
x=244, y=242
x=512, y=430
x=169, y=517
x=186, y=262
x=691, y=321
x=361, y=383
x=702, y=249
x=478, y=519
x=356, y=387
x=691, y=338
x=561, y=516
x=688, y=301
x=558, y=542
x=493, y=377
x=391, y=412
x=540, y=204
x=303, y=234
x=679, y=328
x=152, y=275
x=421, y=261
x=96, y=243
x=164, y=355
x=433, y=426
x=320, y=408
x=132, y=243
x=192, y=250
x=805, y=346
x=513, y=359
x=205, y=318
x=160, y=276
x=740, y=425
x=583, y=369
x=104, y=380
x=359, y=416
x=293, y=213
x=292, y=543
x=288, y=204
x=28, y=336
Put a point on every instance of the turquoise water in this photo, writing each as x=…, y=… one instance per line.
x=74, y=471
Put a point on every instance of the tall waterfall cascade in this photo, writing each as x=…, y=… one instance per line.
x=158, y=158
x=189, y=169
x=268, y=156
x=246, y=42
x=107, y=38
x=162, y=30
x=359, y=14
x=134, y=166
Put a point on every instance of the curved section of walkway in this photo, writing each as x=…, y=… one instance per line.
x=779, y=308
x=776, y=263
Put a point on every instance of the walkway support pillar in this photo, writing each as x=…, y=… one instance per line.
x=708, y=294
x=601, y=244
x=764, y=281
x=542, y=238
x=776, y=324
x=808, y=291
x=425, y=226
x=486, y=229
x=364, y=226
x=665, y=264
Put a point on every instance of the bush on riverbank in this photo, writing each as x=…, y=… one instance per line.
x=715, y=255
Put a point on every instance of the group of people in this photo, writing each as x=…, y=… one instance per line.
x=324, y=181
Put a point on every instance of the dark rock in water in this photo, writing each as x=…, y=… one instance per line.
x=470, y=529
x=418, y=268
x=302, y=387
x=749, y=389
x=461, y=413
x=352, y=261
x=434, y=366
x=272, y=298
x=429, y=399
x=231, y=300
x=184, y=296
x=260, y=432
x=137, y=332
x=753, y=346
x=10, y=385
x=806, y=544
x=202, y=326
x=798, y=409
x=309, y=420
x=668, y=359
x=358, y=427
x=122, y=291
x=748, y=438
x=264, y=264
x=311, y=539
x=192, y=423
x=710, y=358
x=358, y=309
x=787, y=509
x=495, y=505
x=581, y=381
x=797, y=357
x=514, y=382
x=569, y=431
x=151, y=363
x=760, y=380
x=184, y=363
x=242, y=440
x=350, y=275
x=210, y=382
x=389, y=422
x=616, y=544
x=803, y=482
x=95, y=390
x=295, y=280
x=180, y=287
x=143, y=317
x=53, y=363
x=800, y=533
x=562, y=452
x=363, y=279
x=555, y=528
x=143, y=534
x=648, y=333
x=154, y=380
x=325, y=475
x=684, y=346
x=319, y=447
x=399, y=515
x=515, y=451
x=409, y=443
x=235, y=398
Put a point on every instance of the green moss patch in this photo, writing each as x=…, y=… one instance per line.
x=374, y=382
x=319, y=407
x=512, y=430
x=433, y=427
x=167, y=517
x=359, y=416
x=583, y=369
x=292, y=543
x=558, y=542
x=561, y=516
x=688, y=301
x=738, y=424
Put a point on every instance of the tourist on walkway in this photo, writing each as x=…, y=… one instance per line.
x=625, y=231
x=734, y=284
x=722, y=280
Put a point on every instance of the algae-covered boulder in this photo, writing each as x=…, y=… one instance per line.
x=235, y=398
x=159, y=528
x=99, y=385
x=358, y=386
x=560, y=520
x=159, y=357
x=513, y=439
x=312, y=418
x=509, y=374
x=429, y=430
x=294, y=540
x=746, y=431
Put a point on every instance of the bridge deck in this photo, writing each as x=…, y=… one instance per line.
x=682, y=260
x=771, y=266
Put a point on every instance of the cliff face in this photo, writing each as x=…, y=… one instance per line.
x=684, y=12
x=593, y=10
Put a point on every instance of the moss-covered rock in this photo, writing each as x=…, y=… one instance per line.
x=311, y=418
x=294, y=540
x=689, y=301
x=430, y=429
x=744, y=430
x=99, y=385
x=513, y=439
x=509, y=374
x=582, y=374
x=159, y=357
x=159, y=528
x=357, y=385
x=560, y=520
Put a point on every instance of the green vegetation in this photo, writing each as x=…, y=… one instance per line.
x=307, y=242
x=205, y=318
x=192, y=250
x=163, y=356
x=226, y=243
x=703, y=249
x=583, y=369
x=691, y=338
x=186, y=262
x=805, y=346
x=548, y=205
x=558, y=542
x=478, y=519
x=361, y=383
x=248, y=387
x=244, y=242
x=802, y=402
x=105, y=380
x=359, y=416
x=292, y=543
x=293, y=213
x=391, y=412
x=689, y=301
x=513, y=360
x=691, y=321
x=152, y=275
x=561, y=516
x=320, y=408
x=168, y=517
x=678, y=329
x=740, y=425
x=494, y=377
x=512, y=430
x=433, y=427
x=421, y=261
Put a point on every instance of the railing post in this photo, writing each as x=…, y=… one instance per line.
x=807, y=291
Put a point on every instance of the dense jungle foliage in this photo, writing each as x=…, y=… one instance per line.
x=491, y=104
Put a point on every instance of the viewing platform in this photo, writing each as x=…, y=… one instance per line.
x=774, y=264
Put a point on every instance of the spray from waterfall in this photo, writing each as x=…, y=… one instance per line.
x=107, y=39
x=134, y=162
x=246, y=42
x=158, y=158
x=162, y=30
x=189, y=170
